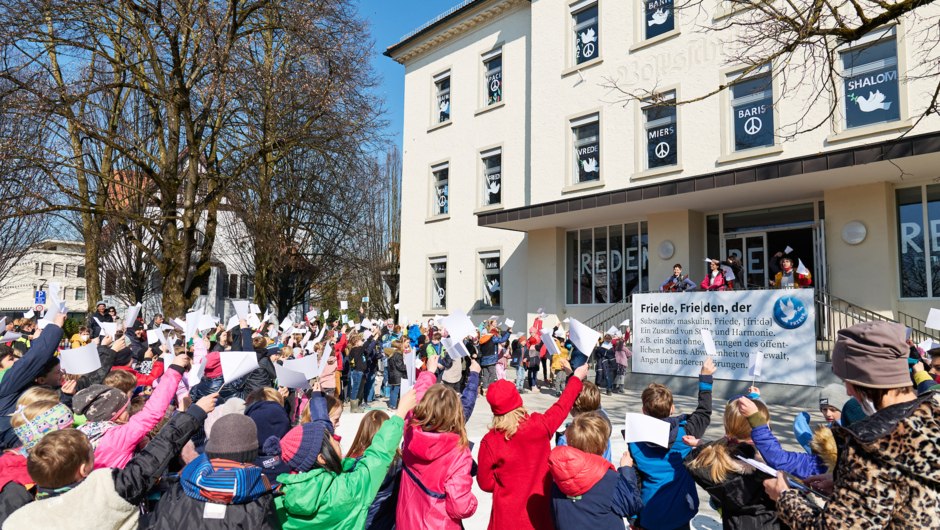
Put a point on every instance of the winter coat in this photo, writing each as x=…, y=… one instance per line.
x=19, y=377
x=179, y=508
x=109, y=498
x=92, y=324
x=563, y=439
x=271, y=420
x=713, y=283
x=436, y=487
x=14, y=480
x=396, y=369
x=887, y=474
x=142, y=379
x=800, y=465
x=264, y=375
x=322, y=499
x=117, y=446
x=488, y=342
x=106, y=357
x=381, y=515
x=588, y=492
x=670, y=499
x=516, y=471
x=137, y=346
x=77, y=342
x=741, y=497
x=328, y=377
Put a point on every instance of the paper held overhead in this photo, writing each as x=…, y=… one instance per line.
x=708, y=342
x=787, y=250
x=727, y=270
x=583, y=337
x=455, y=348
x=540, y=310
x=131, y=315
x=11, y=336
x=237, y=363
x=403, y=321
x=153, y=336
x=108, y=328
x=206, y=322
x=324, y=359
x=560, y=333
x=613, y=331
x=253, y=308
x=306, y=365
x=801, y=269
x=408, y=380
x=366, y=335
x=755, y=362
x=458, y=324
x=81, y=360
x=927, y=345
x=551, y=347
x=510, y=322
x=29, y=314
x=286, y=323
x=397, y=306
x=544, y=316
x=326, y=314
x=232, y=322
x=933, y=319
x=192, y=323
x=910, y=331
x=253, y=321
x=344, y=305
x=242, y=308
x=312, y=315
x=195, y=373
x=626, y=323
x=291, y=379
x=643, y=428
x=567, y=320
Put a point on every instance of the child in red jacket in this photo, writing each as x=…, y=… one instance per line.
x=514, y=456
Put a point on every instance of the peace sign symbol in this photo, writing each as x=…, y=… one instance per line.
x=494, y=85
x=589, y=49
x=753, y=125
x=662, y=149
x=440, y=293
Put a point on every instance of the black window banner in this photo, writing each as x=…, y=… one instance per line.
x=754, y=125
x=443, y=105
x=493, y=188
x=873, y=97
x=662, y=146
x=494, y=87
x=587, y=43
x=660, y=17
x=589, y=162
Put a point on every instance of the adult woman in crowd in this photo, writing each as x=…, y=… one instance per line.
x=715, y=279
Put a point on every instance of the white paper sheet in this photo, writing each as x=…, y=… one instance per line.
x=253, y=308
x=43, y=322
x=108, y=328
x=253, y=321
x=787, y=250
x=312, y=315
x=326, y=314
x=551, y=347
x=626, y=323
x=643, y=428
x=291, y=379
x=540, y=310
x=343, y=305
x=708, y=342
x=81, y=360
x=324, y=359
x=510, y=322
x=583, y=337
x=933, y=319
x=165, y=327
x=759, y=465
x=153, y=336
x=11, y=336
x=408, y=381
x=242, y=308
x=754, y=363
x=29, y=314
x=544, y=316
x=286, y=323
x=454, y=348
x=927, y=345
x=131, y=315
x=206, y=322
x=397, y=306
x=403, y=321
x=560, y=333
x=567, y=320
x=309, y=366
x=195, y=373
x=728, y=274
x=458, y=324
x=366, y=335
x=237, y=363
x=232, y=322
x=801, y=269
x=192, y=323
x=613, y=331
x=909, y=332
x=344, y=319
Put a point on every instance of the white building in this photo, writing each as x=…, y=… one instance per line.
x=519, y=172
x=49, y=261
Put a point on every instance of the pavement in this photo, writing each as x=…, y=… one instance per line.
x=616, y=406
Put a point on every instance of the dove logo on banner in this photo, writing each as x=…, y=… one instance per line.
x=789, y=312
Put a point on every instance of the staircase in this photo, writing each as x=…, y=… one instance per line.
x=832, y=314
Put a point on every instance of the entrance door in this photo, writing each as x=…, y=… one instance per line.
x=751, y=249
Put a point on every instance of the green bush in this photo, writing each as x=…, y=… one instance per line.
x=70, y=327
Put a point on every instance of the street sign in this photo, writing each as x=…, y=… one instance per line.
x=39, y=308
x=40, y=297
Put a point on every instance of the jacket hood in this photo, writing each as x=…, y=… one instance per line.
x=13, y=469
x=673, y=432
x=428, y=446
x=575, y=472
x=223, y=481
x=213, y=365
x=271, y=420
x=485, y=338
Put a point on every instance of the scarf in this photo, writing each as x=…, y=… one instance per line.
x=95, y=431
x=222, y=481
x=47, y=493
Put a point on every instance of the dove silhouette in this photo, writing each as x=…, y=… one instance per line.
x=874, y=101
x=444, y=106
x=788, y=310
x=588, y=36
x=494, y=286
x=590, y=166
x=658, y=17
x=494, y=188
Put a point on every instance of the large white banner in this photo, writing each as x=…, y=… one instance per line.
x=779, y=323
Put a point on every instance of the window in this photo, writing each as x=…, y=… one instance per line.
x=752, y=109
x=870, y=77
x=70, y=271
x=58, y=269
x=492, y=176
x=440, y=198
x=606, y=264
x=38, y=268
x=80, y=272
x=442, y=83
x=662, y=133
x=438, y=283
x=587, y=148
x=233, y=286
x=46, y=269
x=492, y=294
x=79, y=293
x=660, y=17
x=243, y=287
x=493, y=66
x=586, y=40
x=919, y=241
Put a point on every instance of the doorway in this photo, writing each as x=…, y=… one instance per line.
x=757, y=252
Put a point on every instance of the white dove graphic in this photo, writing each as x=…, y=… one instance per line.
x=590, y=166
x=444, y=106
x=494, y=188
x=874, y=102
x=659, y=17
x=494, y=286
x=788, y=310
x=588, y=36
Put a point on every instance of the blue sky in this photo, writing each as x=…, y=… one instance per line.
x=390, y=20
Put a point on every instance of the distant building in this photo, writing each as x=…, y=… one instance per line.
x=52, y=260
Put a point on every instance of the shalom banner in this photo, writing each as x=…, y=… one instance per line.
x=780, y=325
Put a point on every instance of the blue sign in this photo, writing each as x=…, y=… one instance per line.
x=789, y=312
x=41, y=297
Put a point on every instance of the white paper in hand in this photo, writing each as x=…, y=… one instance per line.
x=933, y=319
x=560, y=333
x=81, y=360
x=237, y=363
x=232, y=322
x=728, y=274
x=192, y=323
x=801, y=269
x=291, y=379
x=153, y=336
x=567, y=320
x=544, y=316
x=759, y=465
x=312, y=315
x=626, y=323
x=324, y=359
x=306, y=365
x=397, y=306
x=286, y=323
x=927, y=345
x=403, y=321
x=643, y=428
x=909, y=332
x=408, y=381
x=11, y=336
x=108, y=328
x=344, y=305
x=253, y=321
x=458, y=324
x=194, y=375
x=755, y=362
x=131, y=315
x=254, y=308
x=583, y=337
x=29, y=314
x=241, y=308
x=613, y=331
x=206, y=322
x=551, y=347
x=510, y=322
x=787, y=250
x=326, y=314
x=708, y=342
x=454, y=348
x=540, y=310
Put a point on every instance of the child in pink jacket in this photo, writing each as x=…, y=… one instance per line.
x=436, y=485
x=112, y=433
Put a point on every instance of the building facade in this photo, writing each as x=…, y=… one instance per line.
x=49, y=261
x=528, y=185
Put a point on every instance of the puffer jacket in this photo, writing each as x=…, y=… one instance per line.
x=396, y=369
x=488, y=349
x=436, y=486
x=588, y=492
x=741, y=497
x=800, y=465
x=14, y=480
x=887, y=474
x=184, y=504
x=271, y=420
x=322, y=499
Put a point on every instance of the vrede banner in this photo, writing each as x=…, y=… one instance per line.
x=779, y=323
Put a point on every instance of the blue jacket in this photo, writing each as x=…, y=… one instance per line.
x=19, y=377
x=588, y=493
x=800, y=465
x=563, y=439
x=489, y=351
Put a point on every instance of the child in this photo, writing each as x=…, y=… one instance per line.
x=328, y=377
x=670, y=499
x=269, y=419
x=72, y=494
x=587, y=491
x=396, y=371
x=558, y=369
x=382, y=512
x=113, y=433
x=436, y=491
x=323, y=493
x=81, y=338
x=735, y=487
x=589, y=400
x=514, y=455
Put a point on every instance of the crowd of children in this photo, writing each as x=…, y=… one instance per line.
x=158, y=437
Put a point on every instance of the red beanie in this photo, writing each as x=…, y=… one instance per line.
x=503, y=397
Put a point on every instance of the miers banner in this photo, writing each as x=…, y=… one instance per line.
x=781, y=324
